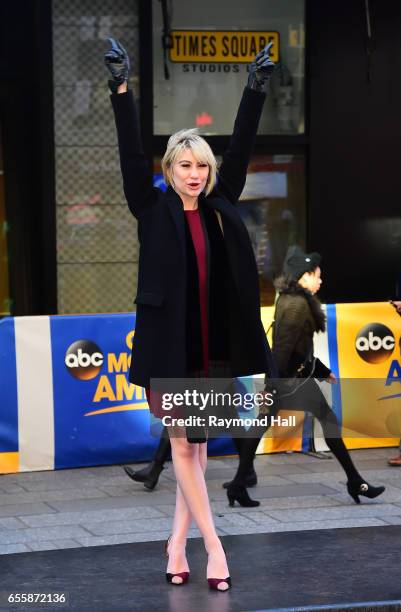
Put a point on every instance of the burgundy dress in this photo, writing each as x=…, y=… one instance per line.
x=198, y=238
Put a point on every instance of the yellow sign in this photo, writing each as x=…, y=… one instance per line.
x=221, y=47
x=368, y=338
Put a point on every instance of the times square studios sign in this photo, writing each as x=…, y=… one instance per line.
x=219, y=51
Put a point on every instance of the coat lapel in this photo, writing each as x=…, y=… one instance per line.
x=233, y=230
x=224, y=208
x=174, y=204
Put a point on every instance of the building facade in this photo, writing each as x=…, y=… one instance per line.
x=323, y=173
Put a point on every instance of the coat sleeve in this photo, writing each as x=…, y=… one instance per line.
x=232, y=173
x=137, y=176
x=287, y=333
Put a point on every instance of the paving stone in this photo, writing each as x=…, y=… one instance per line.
x=312, y=501
x=25, y=508
x=221, y=462
x=134, y=488
x=11, y=523
x=9, y=549
x=225, y=473
x=140, y=499
x=280, y=469
x=25, y=536
x=47, y=476
x=10, y=488
x=368, y=463
x=96, y=516
x=392, y=520
x=334, y=480
x=245, y=520
x=296, y=491
x=236, y=518
x=292, y=490
x=167, y=509
x=386, y=473
x=124, y=538
x=67, y=474
x=53, y=545
x=372, y=452
x=343, y=512
x=66, y=484
x=111, y=470
x=286, y=458
x=263, y=481
x=324, y=466
x=47, y=496
x=302, y=526
x=117, y=527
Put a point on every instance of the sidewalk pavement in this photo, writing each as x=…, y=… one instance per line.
x=101, y=505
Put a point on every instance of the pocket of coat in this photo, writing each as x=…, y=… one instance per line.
x=149, y=298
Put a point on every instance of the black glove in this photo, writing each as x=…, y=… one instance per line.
x=117, y=62
x=260, y=70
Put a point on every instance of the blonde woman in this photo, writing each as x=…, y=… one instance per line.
x=198, y=294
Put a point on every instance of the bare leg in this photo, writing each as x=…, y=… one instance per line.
x=188, y=461
x=181, y=524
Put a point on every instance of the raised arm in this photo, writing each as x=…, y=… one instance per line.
x=232, y=173
x=137, y=175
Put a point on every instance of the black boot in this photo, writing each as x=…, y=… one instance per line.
x=246, y=475
x=251, y=479
x=150, y=474
x=238, y=493
x=361, y=487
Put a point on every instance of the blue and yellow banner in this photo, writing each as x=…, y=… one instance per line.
x=66, y=401
x=369, y=356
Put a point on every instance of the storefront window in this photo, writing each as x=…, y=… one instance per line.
x=272, y=207
x=198, y=80
x=97, y=250
x=5, y=301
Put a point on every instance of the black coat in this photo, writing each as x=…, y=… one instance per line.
x=162, y=342
x=298, y=315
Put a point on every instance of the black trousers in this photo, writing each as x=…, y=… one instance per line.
x=307, y=398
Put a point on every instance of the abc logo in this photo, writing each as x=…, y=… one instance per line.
x=375, y=343
x=84, y=359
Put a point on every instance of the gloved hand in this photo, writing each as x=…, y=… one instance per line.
x=117, y=62
x=260, y=70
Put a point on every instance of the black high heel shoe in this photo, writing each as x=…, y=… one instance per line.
x=363, y=488
x=240, y=494
x=169, y=577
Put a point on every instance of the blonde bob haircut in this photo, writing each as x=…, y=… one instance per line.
x=189, y=139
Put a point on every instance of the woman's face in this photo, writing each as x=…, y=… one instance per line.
x=311, y=280
x=189, y=176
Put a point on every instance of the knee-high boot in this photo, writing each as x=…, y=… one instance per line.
x=250, y=476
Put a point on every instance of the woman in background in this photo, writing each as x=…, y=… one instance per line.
x=298, y=315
